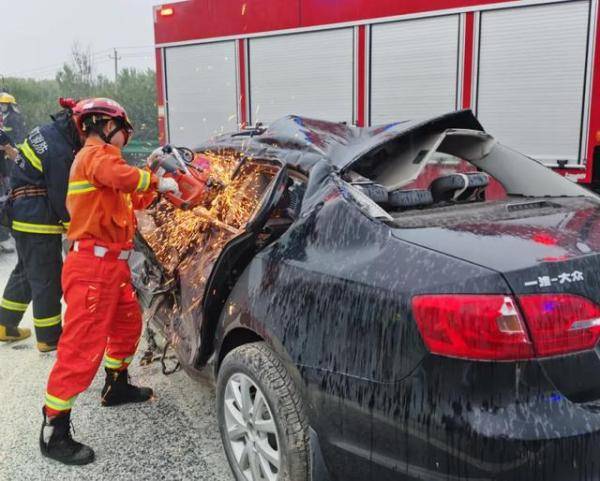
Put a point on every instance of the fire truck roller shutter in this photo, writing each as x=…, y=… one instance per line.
x=531, y=78
x=309, y=74
x=201, y=91
x=414, y=68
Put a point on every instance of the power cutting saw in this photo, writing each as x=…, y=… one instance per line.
x=180, y=164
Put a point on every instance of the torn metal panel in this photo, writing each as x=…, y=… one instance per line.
x=301, y=142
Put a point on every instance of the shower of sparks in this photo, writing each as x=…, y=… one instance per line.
x=173, y=233
x=187, y=243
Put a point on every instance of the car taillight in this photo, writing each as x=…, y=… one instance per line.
x=478, y=327
x=561, y=323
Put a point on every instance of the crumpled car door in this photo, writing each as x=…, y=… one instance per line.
x=231, y=262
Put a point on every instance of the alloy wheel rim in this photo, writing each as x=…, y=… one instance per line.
x=251, y=430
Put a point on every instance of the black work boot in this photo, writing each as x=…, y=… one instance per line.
x=117, y=389
x=56, y=441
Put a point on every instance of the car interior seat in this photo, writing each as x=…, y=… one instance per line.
x=462, y=187
x=410, y=198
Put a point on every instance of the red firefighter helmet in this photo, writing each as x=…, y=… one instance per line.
x=95, y=110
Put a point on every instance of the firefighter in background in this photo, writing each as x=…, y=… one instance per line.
x=39, y=181
x=12, y=123
x=103, y=318
x=12, y=120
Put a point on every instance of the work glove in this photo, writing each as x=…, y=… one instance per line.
x=168, y=184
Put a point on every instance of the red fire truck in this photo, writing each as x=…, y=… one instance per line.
x=529, y=69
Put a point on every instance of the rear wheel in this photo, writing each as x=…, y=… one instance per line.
x=261, y=417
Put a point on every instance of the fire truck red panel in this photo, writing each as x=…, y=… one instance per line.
x=210, y=18
x=594, y=137
x=317, y=12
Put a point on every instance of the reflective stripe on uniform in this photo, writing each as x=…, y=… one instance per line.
x=144, y=182
x=113, y=363
x=31, y=156
x=37, y=228
x=80, y=187
x=47, y=321
x=13, y=306
x=59, y=404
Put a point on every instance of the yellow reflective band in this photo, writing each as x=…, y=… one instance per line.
x=37, y=228
x=128, y=360
x=47, y=321
x=59, y=404
x=144, y=181
x=80, y=187
x=7, y=129
x=112, y=363
x=66, y=224
x=13, y=306
x=31, y=156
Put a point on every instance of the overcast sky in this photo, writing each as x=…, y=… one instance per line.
x=37, y=35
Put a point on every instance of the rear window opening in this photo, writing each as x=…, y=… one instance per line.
x=450, y=168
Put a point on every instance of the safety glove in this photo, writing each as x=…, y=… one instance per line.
x=168, y=184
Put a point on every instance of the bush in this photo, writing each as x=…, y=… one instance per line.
x=135, y=90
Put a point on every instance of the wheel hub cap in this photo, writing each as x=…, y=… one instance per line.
x=251, y=430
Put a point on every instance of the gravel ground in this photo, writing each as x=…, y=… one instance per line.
x=174, y=437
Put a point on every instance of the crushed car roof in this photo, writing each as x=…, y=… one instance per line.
x=301, y=142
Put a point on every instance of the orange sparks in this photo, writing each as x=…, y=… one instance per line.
x=174, y=233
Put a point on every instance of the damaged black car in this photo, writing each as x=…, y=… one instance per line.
x=414, y=301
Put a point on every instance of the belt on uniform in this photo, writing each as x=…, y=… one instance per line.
x=102, y=251
x=28, y=192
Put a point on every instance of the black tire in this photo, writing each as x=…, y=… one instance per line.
x=259, y=363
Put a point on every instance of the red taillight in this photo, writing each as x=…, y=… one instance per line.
x=489, y=327
x=483, y=327
x=545, y=239
x=561, y=323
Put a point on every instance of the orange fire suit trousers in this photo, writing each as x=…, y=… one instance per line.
x=102, y=320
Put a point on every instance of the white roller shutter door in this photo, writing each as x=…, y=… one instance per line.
x=201, y=91
x=414, y=68
x=531, y=77
x=309, y=74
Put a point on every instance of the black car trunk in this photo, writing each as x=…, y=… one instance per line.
x=543, y=247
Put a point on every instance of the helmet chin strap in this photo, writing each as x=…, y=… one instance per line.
x=112, y=133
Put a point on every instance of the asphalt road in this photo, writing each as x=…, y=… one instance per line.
x=174, y=437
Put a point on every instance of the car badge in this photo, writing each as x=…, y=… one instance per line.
x=584, y=248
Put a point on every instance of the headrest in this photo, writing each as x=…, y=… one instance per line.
x=459, y=187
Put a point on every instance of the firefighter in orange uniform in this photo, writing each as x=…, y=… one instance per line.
x=103, y=318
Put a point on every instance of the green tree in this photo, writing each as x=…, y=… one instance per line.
x=134, y=89
x=36, y=98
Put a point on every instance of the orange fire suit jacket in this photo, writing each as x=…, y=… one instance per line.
x=104, y=192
